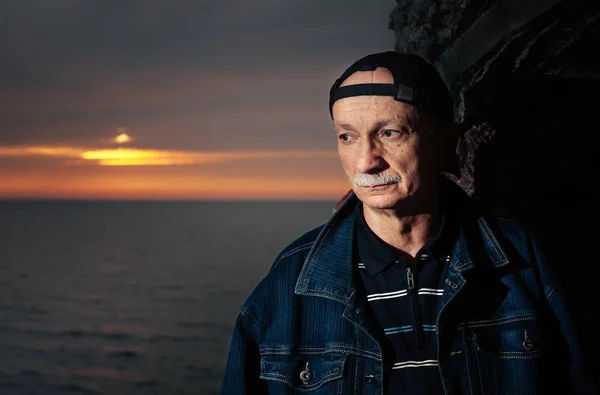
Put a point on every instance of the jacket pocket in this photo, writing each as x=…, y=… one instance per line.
x=507, y=353
x=310, y=373
x=517, y=342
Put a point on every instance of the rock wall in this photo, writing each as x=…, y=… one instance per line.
x=525, y=77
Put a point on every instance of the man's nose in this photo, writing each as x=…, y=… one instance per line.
x=368, y=157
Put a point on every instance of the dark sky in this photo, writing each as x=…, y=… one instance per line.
x=181, y=78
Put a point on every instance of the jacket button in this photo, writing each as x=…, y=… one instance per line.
x=370, y=379
x=358, y=311
x=305, y=375
x=527, y=343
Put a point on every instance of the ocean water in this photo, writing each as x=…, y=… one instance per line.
x=131, y=297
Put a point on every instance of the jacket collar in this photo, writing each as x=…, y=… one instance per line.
x=328, y=269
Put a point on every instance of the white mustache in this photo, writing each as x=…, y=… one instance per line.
x=368, y=180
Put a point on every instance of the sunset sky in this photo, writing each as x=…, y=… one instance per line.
x=186, y=99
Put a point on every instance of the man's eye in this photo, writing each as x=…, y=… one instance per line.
x=391, y=133
x=344, y=137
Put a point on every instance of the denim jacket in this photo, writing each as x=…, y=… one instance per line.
x=503, y=327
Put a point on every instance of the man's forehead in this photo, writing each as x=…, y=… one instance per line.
x=380, y=75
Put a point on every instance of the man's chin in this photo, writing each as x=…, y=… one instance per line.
x=378, y=201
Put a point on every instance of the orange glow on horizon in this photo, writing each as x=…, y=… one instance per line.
x=175, y=188
x=83, y=173
x=18, y=151
x=140, y=157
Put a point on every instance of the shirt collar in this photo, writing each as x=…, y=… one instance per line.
x=377, y=255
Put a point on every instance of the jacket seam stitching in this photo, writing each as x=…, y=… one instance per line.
x=503, y=320
x=332, y=296
x=356, y=363
x=319, y=350
x=296, y=250
x=497, y=249
x=304, y=274
x=253, y=321
x=550, y=290
x=467, y=364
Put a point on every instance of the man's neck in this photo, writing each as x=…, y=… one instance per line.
x=407, y=233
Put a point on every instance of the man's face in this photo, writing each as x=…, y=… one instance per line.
x=387, y=152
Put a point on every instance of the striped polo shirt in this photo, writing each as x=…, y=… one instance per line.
x=404, y=295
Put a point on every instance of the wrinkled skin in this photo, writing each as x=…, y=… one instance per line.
x=378, y=135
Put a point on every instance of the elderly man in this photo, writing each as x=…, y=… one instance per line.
x=409, y=288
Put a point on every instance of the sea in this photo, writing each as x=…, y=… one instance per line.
x=132, y=297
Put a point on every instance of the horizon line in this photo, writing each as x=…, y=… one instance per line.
x=165, y=200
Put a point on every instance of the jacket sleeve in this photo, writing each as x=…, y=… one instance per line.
x=242, y=370
x=569, y=356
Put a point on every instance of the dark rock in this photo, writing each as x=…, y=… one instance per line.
x=480, y=42
x=527, y=72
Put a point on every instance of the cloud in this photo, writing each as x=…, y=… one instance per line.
x=147, y=157
x=40, y=39
x=233, y=90
x=65, y=152
x=177, y=108
x=95, y=92
x=208, y=75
